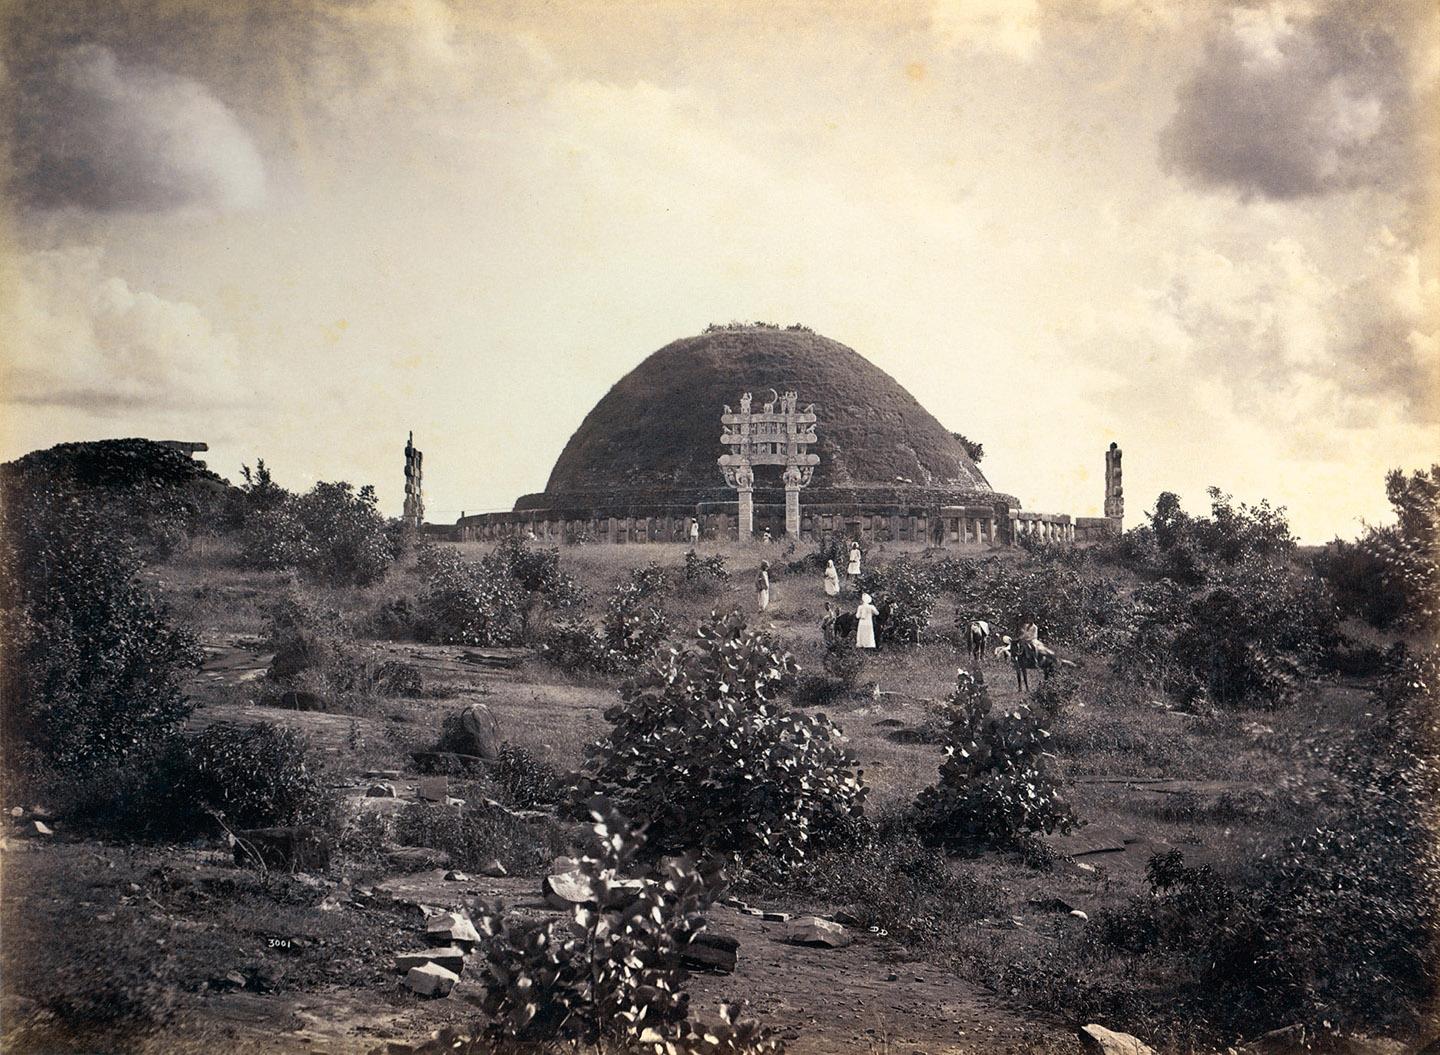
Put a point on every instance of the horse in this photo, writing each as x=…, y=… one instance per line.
x=1027, y=657
x=978, y=637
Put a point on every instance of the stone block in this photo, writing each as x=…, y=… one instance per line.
x=296, y=848
x=812, y=930
x=451, y=928
x=711, y=952
x=431, y=980
x=450, y=957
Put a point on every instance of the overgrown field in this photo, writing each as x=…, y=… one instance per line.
x=1215, y=820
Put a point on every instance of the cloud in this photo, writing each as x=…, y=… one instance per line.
x=98, y=133
x=80, y=338
x=1290, y=347
x=1288, y=102
x=1007, y=27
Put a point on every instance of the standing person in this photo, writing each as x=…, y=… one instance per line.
x=827, y=624
x=694, y=530
x=762, y=587
x=832, y=580
x=854, y=568
x=865, y=623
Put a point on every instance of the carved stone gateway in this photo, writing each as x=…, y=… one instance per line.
x=778, y=434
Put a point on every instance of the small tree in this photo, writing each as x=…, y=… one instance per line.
x=995, y=785
x=706, y=757
x=93, y=664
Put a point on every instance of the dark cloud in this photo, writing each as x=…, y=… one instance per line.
x=99, y=133
x=1286, y=105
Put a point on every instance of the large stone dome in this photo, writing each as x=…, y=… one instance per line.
x=655, y=436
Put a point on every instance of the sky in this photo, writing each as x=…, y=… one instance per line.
x=1204, y=230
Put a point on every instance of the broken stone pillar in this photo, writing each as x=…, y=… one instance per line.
x=1114, y=490
x=414, y=511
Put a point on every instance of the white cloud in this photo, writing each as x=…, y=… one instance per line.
x=78, y=337
x=1008, y=27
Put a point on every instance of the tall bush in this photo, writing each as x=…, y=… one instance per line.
x=705, y=756
x=995, y=786
x=93, y=664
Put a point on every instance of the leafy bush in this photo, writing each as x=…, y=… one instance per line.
x=705, y=574
x=1391, y=576
x=911, y=589
x=1071, y=601
x=995, y=785
x=703, y=754
x=523, y=780
x=841, y=668
x=254, y=777
x=633, y=627
x=537, y=571
x=609, y=975
x=333, y=533
x=476, y=835
x=93, y=664
x=470, y=602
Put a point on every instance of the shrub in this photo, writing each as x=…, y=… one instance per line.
x=995, y=785
x=841, y=668
x=469, y=602
x=702, y=753
x=538, y=572
x=609, y=975
x=474, y=836
x=705, y=571
x=633, y=627
x=333, y=533
x=254, y=777
x=911, y=589
x=523, y=780
x=93, y=664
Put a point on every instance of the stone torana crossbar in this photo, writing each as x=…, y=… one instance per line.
x=779, y=433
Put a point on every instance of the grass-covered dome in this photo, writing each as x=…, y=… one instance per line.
x=655, y=436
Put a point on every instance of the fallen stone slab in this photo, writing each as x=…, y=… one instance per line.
x=567, y=889
x=451, y=928
x=416, y=858
x=1097, y=1040
x=711, y=952
x=295, y=848
x=431, y=980
x=775, y=917
x=812, y=930
x=456, y=877
x=450, y=957
x=380, y=791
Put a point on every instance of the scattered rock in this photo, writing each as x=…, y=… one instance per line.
x=382, y=774
x=748, y=911
x=41, y=828
x=712, y=952
x=494, y=870
x=848, y=918
x=17, y=811
x=775, y=917
x=330, y=904
x=456, y=877
x=1278, y=1041
x=431, y=979
x=380, y=791
x=450, y=957
x=229, y=982
x=812, y=930
x=1079, y=913
x=451, y=928
x=1050, y=904
x=1097, y=1040
x=563, y=890
x=296, y=848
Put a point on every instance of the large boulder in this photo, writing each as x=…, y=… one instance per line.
x=452, y=929
x=1097, y=1040
x=294, y=848
x=711, y=952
